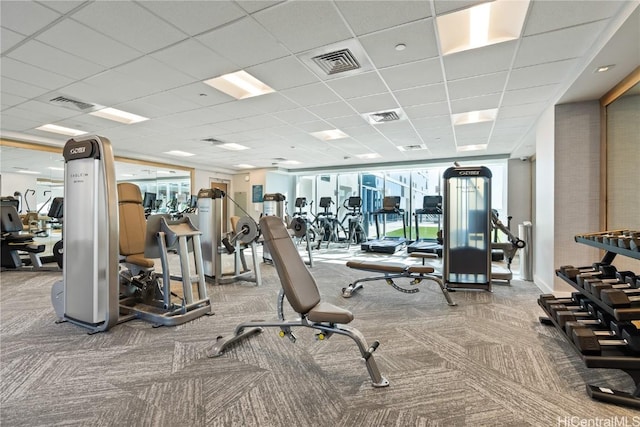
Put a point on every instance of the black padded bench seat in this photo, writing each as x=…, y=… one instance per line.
x=390, y=268
x=390, y=271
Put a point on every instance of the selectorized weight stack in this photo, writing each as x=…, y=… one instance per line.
x=210, y=222
x=88, y=294
x=467, y=228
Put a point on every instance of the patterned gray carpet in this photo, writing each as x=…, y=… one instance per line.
x=486, y=362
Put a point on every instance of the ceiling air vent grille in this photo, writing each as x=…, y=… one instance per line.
x=213, y=141
x=415, y=147
x=385, y=116
x=337, y=62
x=63, y=101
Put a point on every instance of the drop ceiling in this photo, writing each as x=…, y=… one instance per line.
x=151, y=57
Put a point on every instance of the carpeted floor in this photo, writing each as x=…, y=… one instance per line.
x=486, y=362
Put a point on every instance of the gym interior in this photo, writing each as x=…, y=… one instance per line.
x=320, y=213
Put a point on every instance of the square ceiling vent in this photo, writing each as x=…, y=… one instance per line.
x=342, y=59
x=415, y=147
x=385, y=116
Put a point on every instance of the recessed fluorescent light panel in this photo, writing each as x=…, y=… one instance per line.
x=118, y=116
x=239, y=85
x=481, y=25
x=179, y=153
x=473, y=147
x=474, y=117
x=290, y=162
x=328, y=135
x=61, y=130
x=233, y=146
x=244, y=166
x=28, y=172
x=55, y=169
x=369, y=156
x=604, y=68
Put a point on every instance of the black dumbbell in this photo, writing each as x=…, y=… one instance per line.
x=595, y=318
x=620, y=298
x=593, y=324
x=591, y=344
x=600, y=271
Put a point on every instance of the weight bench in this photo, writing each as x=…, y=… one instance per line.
x=389, y=271
x=300, y=288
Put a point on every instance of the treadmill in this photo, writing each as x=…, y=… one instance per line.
x=432, y=208
x=387, y=244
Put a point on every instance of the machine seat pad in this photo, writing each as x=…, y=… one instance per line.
x=139, y=260
x=382, y=268
x=27, y=247
x=419, y=269
x=325, y=312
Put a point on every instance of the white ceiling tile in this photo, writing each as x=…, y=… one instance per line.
x=157, y=105
x=86, y=43
x=62, y=6
x=315, y=126
x=434, y=127
x=32, y=75
x=18, y=122
x=369, y=16
x=347, y=122
x=472, y=104
x=269, y=103
x=283, y=73
x=26, y=17
x=446, y=6
x=547, y=16
x=397, y=127
x=49, y=58
x=53, y=111
x=128, y=88
x=193, y=58
x=9, y=38
x=307, y=24
x=316, y=93
x=18, y=88
x=421, y=95
x=368, y=104
x=359, y=85
x=130, y=24
x=414, y=74
x=296, y=116
x=529, y=95
x=567, y=43
x=521, y=110
x=154, y=73
x=195, y=17
x=256, y=5
x=244, y=43
x=475, y=62
x=539, y=75
x=419, y=38
x=9, y=100
x=516, y=122
x=477, y=86
x=201, y=94
x=427, y=110
x=331, y=110
x=234, y=110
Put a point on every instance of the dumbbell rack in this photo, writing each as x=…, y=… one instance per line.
x=610, y=358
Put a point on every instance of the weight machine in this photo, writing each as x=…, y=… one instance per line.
x=303, y=228
x=89, y=293
x=214, y=244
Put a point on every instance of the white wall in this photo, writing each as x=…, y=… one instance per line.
x=518, y=192
x=577, y=183
x=543, y=228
